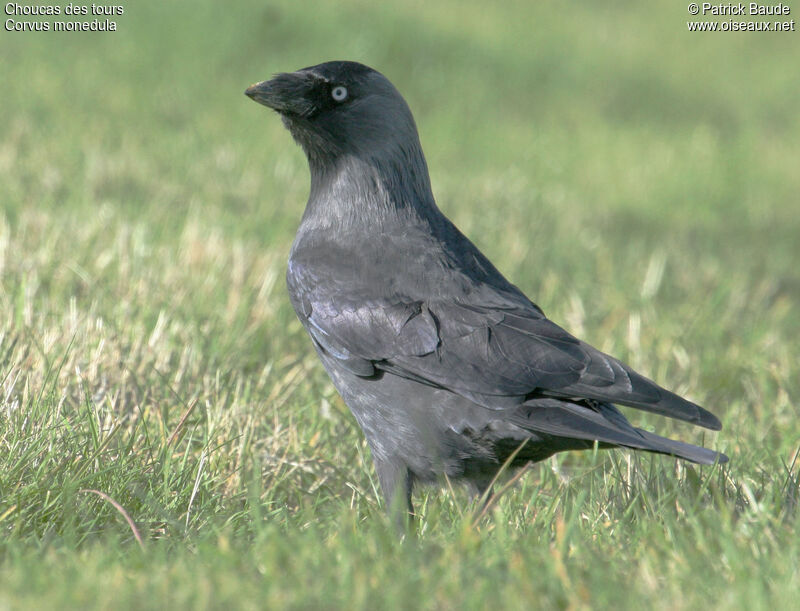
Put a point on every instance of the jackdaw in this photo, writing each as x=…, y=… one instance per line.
x=447, y=366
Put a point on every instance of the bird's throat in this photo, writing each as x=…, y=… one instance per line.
x=369, y=190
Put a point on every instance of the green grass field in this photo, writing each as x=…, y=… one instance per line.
x=638, y=181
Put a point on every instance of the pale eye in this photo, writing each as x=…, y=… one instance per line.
x=339, y=93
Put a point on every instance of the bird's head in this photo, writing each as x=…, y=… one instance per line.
x=340, y=108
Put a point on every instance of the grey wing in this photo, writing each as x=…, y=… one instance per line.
x=489, y=344
x=375, y=332
x=498, y=357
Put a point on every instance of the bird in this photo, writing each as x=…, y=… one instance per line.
x=447, y=367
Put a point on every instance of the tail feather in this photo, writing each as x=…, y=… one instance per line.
x=602, y=422
x=687, y=451
x=624, y=386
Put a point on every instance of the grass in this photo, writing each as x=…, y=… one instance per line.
x=638, y=181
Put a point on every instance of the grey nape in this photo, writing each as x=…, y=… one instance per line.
x=447, y=367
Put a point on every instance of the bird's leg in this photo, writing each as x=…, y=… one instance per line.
x=396, y=484
x=483, y=490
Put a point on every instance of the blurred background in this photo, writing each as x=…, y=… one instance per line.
x=638, y=181
x=585, y=148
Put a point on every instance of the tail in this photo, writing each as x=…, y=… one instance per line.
x=687, y=451
x=602, y=422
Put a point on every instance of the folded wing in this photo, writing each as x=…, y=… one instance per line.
x=491, y=349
